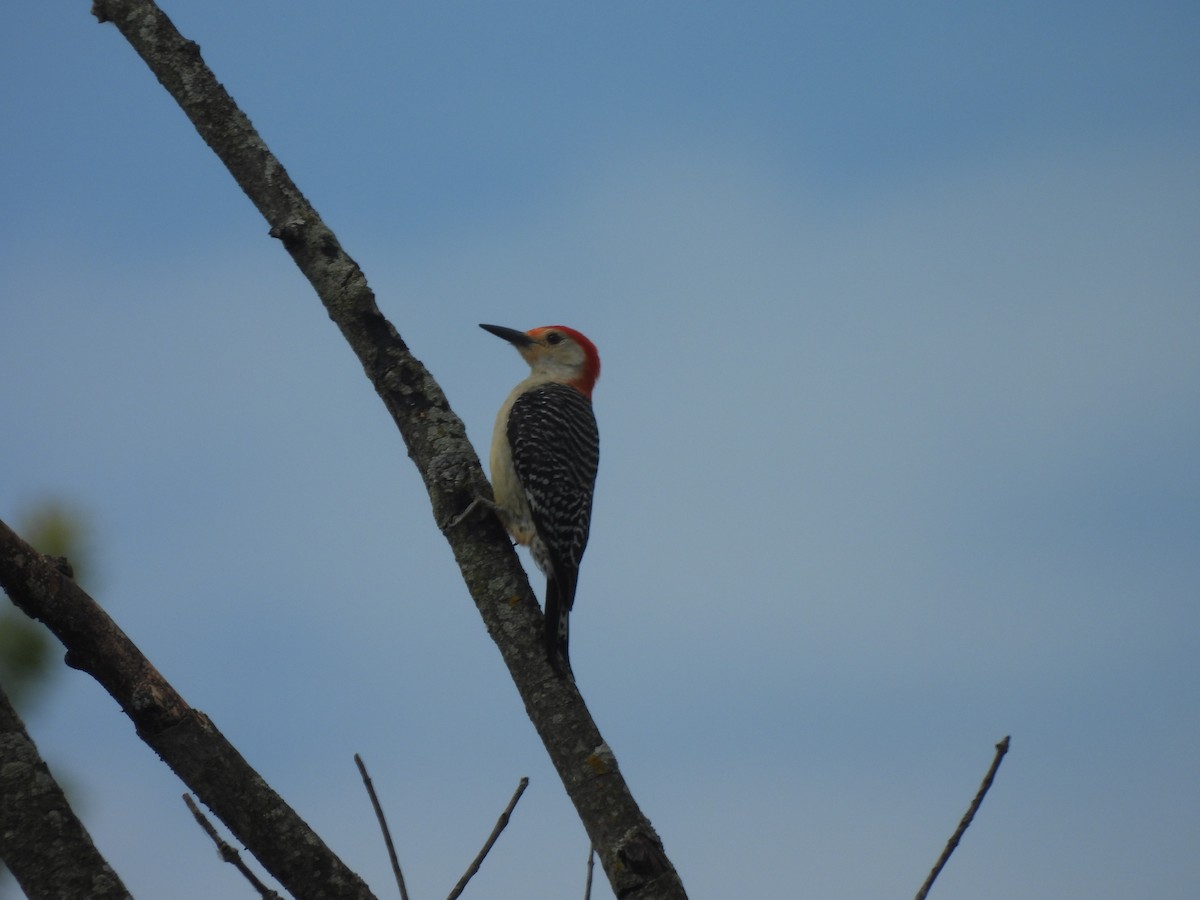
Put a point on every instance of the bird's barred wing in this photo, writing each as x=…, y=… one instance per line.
x=556, y=452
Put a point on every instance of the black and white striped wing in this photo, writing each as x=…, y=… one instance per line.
x=556, y=452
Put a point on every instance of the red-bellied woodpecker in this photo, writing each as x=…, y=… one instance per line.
x=545, y=452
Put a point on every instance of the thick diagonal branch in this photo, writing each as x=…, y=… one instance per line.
x=183, y=737
x=629, y=849
x=46, y=847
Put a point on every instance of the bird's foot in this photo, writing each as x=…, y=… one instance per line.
x=479, y=501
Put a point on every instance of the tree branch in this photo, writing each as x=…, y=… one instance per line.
x=44, y=844
x=383, y=826
x=183, y=737
x=501, y=824
x=629, y=849
x=591, y=864
x=1001, y=749
x=227, y=853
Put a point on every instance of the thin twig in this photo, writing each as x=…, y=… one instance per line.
x=587, y=888
x=227, y=852
x=1001, y=749
x=383, y=826
x=500, y=823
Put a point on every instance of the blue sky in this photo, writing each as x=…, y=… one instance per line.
x=898, y=310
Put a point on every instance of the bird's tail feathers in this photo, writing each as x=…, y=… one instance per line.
x=559, y=599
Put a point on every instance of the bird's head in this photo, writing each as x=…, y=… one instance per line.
x=556, y=352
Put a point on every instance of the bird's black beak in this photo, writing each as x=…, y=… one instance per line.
x=516, y=338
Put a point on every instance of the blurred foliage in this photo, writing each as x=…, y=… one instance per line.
x=27, y=647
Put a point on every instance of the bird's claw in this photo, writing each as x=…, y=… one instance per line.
x=471, y=507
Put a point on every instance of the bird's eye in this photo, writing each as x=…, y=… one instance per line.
x=554, y=338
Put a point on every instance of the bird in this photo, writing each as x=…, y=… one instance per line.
x=544, y=458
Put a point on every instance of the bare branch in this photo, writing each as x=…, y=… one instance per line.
x=183, y=737
x=629, y=849
x=227, y=853
x=1001, y=749
x=383, y=826
x=501, y=823
x=46, y=847
x=591, y=865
